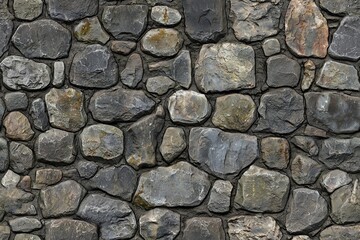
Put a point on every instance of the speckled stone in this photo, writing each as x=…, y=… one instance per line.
x=18, y=127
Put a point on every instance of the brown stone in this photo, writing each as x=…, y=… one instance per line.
x=122, y=47
x=47, y=176
x=275, y=152
x=18, y=126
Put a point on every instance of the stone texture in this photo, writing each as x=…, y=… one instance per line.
x=304, y=170
x=334, y=180
x=16, y=101
x=6, y=27
x=159, y=85
x=221, y=153
x=10, y=179
x=173, y=143
x=336, y=6
x=4, y=232
x=90, y=30
x=309, y=75
x=27, y=9
x=282, y=71
x=220, y=196
x=47, y=177
x=165, y=15
x=203, y=228
x=64, y=228
x=275, y=152
x=68, y=10
x=122, y=47
x=59, y=74
x=133, y=71
x=224, y=67
x=86, y=169
x=18, y=127
x=271, y=46
x=314, y=131
x=4, y=155
x=21, y=157
x=39, y=115
x=307, y=144
x=24, y=224
x=25, y=236
x=341, y=232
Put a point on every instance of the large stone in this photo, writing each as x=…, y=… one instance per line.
x=165, y=15
x=22, y=73
x=94, y=67
x=27, y=9
x=133, y=71
x=203, y=228
x=336, y=232
x=337, y=112
x=304, y=170
x=275, y=152
x=4, y=155
x=68, y=10
x=64, y=229
x=43, y=38
x=18, y=127
x=180, y=185
x=334, y=180
x=6, y=27
x=282, y=71
x=224, y=67
x=24, y=224
x=220, y=196
x=39, y=115
x=173, y=143
x=254, y=20
x=90, y=30
x=21, y=157
x=306, y=29
x=337, y=7
x=221, y=153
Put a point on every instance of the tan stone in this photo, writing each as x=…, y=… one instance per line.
x=18, y=126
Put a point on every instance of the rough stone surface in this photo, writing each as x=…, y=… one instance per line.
x=203, y=228
x=4, y=155
x=122, y=47
x=64, y=228
x=341, y=232
x=4, y=232
x=304, y=170
x=309, y=75
x=133, y=72
x=271, y=47
x=18, y=127
x=275, y=152
x=39, y=115
x=173, y=143
x=86, y=169
x=90, y=30
x=27, y=9
x=68, y=10
x=47, y=177
x=220, y=196
x=16, y=101
x=6, y=27
x=10, y=179
x=59, y=74
x=25, y=224
x=26, y=236
x=334, y=180
x=282, y=71
x=336, y=6
x=21, y=157
x=159, y=85
x=165, y=15
x=307, y=144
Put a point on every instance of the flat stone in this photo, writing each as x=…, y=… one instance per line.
x=141, y=140
x=39, y=115
x=55, y=147
x=6, y=28
x=308, y=76
x=22, y=73
x=21, y=157
x=304, y=170
x=334, y=180
x=314, y=131
x=301, y=237
x=159, y=85
x=62, y=229
x=125, y=22
x=43, y=38
x=162, y=42
x=59, y=74
x=203, y=228
x=254, y=20
x=220, y=196
x=337, y=112
x=307, y=144
x=275, y=152
x=25, y=236
x=122, y=47
x=165, y=15
x=336, y=7
x=179, y=185
x=234, y=112
x=306, y=29
x=90, y=30
x=173, y=143
x=220, y=153
x=119, y=104
x=339, y=76
x=282, y=71
x=24, y=224
x=271, y=46
x=46, y=177
x=304, y=203
x=18, y=127
x=94, y=67
x=69, y=10
x=10, y=179
x=115, y=217
x=61, y=199
x=224, y=67
x=133, y=71
x=27, y=9
x=188, y=107
x=4, y=232
x=16, y=101
x=159, y=224
x=16, y=201
x=86, y=169
x=4, y=155
x=253, y=227
x=336, y=232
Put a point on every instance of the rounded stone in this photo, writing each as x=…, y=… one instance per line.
x=304, y=170
x=90, y=30
x=17, y=126
x=159, y=85
x=334, y=180
x=271, y=47
x=27, y=9
x=282, y=71
x=165, y=15
x=173, y=143
x=16, y=101
x=21, y=157
x=69, y=10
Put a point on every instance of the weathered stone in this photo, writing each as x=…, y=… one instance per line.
x=24, y=224
x=4, y=155
x=337, y=6
x=254, y=20
x=203, y=228
x=234, y=112
x=43, y=38
x=334, y=180
x=25, y=236
x=165, y=15
x=282, y=71
x=119, y=104
x=313, y=131
x=159, y=85
x=47, y=177
x=18, y=127
x=10, y=179
x=22, y=73
x=90, y=30
x=159, y=224
x=337, y=232
x=61, y=199
x=27, y=9
x=15, y=201
x=125, y=22
x=173, y=143
x=304, y=203
x=39, y=115
x=69, y=10
x=275, y=152
x=188, y=107
x=4, y=232
x=86, y=169
x=25, y=183
x=21, y=157
x=178, y=185
x=133, y=72
x=337, y=112
x=309, y=75
x=306, y=144
x=6, y=27
x=301, y=237
x=220, y=196
x=221, y=153
x=63, y=229
x=122, y=47
x=16, y=101
x=94, y=67
x=224, y=67
x=304, y=170
x=271, y=47
x=306, y=29
x=59, y=74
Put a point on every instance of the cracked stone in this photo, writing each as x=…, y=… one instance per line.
x=39, y=115
x=307, y=144
x=165, y=15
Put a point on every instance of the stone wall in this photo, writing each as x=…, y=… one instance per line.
x=179, y=119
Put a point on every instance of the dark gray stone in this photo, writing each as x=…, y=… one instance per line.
x=21, y=157
x=16, y=101
x=220, y=197
x=6, y=27
x=159, y=85
x=39, y=115
x=64, y=229
x=173, y=143
x=68, y=10
x=304, y=170
x=24, y=224
x=337, y=232
x=203, y=228
x=133, y=72
x=337, y=7
x=334, y=180
x=86, y=169
x=282, y=71
x=4, y=155
x=307, y=144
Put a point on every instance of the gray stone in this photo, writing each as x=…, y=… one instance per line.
x=10, y=179
x=224, y=67
x=25, y=236
x=304, y=170
x=165, y=15
x=179, y=185
x=275, y=152
x=334, y=180
x=64, y=229
x=308, y=76
x=6, y=27
x=68, y=10
x=159, y=224
x=4, y=155
x=122, y=47
x=27, y=9
x=46, y=177
x=43, y=38
x=16, y=201
x=282, y=71
x=22, y=73
x=307, y=144
x=261, y=190
x=125, y=22
x=16, y=101
x=59, y=74
x=18, y=127
x=4, y=232
x=220, y=196
x=21, y=157
x=337, y=232
x=159, y=85
x=39, y=115
x=90, y=30
x=314, y=131
x=220, y=153
x=115, y=217
x=4, y=11
x=301, y=237
x=173, y=143
x=86, y=169
x=94, y=67
x=271, y=47
x=281, y=111
x=188, y=107
x=203, y=228
x=133, y=71
x=254, y=20
x=337, y=7
x=304, y=203
x=24, y=224
x=119, y=104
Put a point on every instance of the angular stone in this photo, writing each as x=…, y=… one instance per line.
x=224, y=67
x=159, y=85
x=47, y=177
x=220, y=153
x=43, y=38
x=313, y=131
x=22, y=73
x=220, y=196
x=55, y=147
x=304, y=170
x=119, y=104
x=306, y=29
x=122, y=47
x=6, y=27
x=271, y=47
x=337, y=6
x=61, y=199
x=90, y=30
x=62, y=229
x=21, y=157
x=253, y=227
x=304, y=203
x=15, y=201
x=254, y=20
x=334, y=180
x=59, y=74
x=25, y=236
x=162, y=42
x=141, y=140
x=234, y=112
x=25, y=184
x=309, y=75
x=340, y=76
x=203, y=228
x=336, y=232
x=4, y=232
x=18, y=127
x=307, y=144
x=188, y=107
x=94, y=67
x=39, y=115
x=159, y=224
x=179, y=185
x=133, y=72
x=115, y=217
x=4, y=155
x=282, y=71
x=24, y=224
x=68, y=10
x=86, y=169
x=10, y=179
x=173, y=143
x=16, y=101
x=27, y=9
x=125, y=22
x=261, y=190
x=275, y=152
x=165, y=15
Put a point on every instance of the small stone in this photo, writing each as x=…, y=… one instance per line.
x=203, y=228
x=24, y=224
x=306, y=144
x=5, y=232
x=20, y=209
x=43, y=38
x=59, y=74
x=25, y=184
x=4, y=155
x=24, y=236
x=47, y=177
x=301, y=237
x=94, y=67
x=69, y=10
x=234, y=112
x=133, y=72
x=66, y=109
x=336, y=232
x=313, y=131
x=27, y=9
x=18, y=127
x=159, y=224
x=271, y=47
x=86, y=169
x=282, y=71
x=62, y=229
x=224, y=67
x=309, y=75
x=39, y=115
x=165, y=15
x=16, y=101
x=334, y=180
x=173, y=143
x=220, y=196
x=122, y=47
x=159, y=85
x=188, y=107
x=10, y=179
x=6, y=28
x=21, y=157
x=304, y=170
x=275, y=152
x=90, y=30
